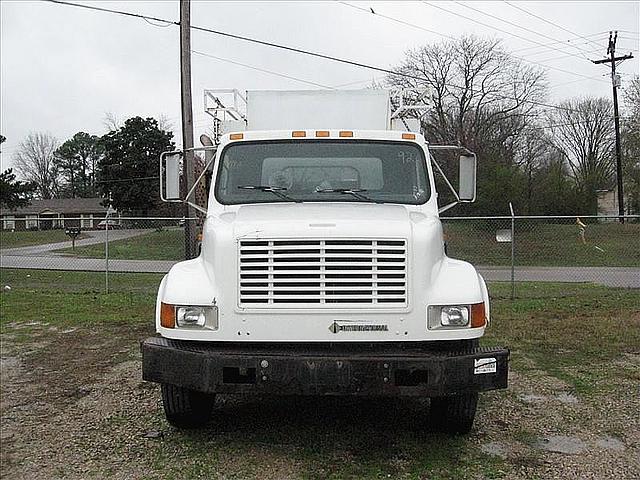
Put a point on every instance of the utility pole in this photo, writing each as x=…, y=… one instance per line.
x=187, y=124
x=615, y=81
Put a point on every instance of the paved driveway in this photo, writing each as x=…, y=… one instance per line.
x=94, y=237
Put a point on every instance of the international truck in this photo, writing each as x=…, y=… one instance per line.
x=323, y=269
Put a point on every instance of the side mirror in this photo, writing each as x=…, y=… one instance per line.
x=170, y=177
x=467, y=178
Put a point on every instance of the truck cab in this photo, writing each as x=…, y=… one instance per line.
x=323, y=269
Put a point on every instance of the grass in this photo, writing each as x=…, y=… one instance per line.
x=28, y=238
x=543, y=244
x=166, y=244
x=573, y=332
x=70, y=299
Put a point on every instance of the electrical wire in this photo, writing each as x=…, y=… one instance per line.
x=298, y=50
x=508, y=22
x=396, y=20
x=424, y=2
x=290, y=77
x=547, y=21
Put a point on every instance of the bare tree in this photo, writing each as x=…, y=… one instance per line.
x=479, y=92
x=34, y=160
x=111, y=122
x=480, y=96
x=583, y=131
x=631, y=145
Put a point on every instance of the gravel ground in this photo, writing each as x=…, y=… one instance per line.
x=73, y=405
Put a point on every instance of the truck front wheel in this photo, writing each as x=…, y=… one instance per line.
x=453, y=414
x=185, y=408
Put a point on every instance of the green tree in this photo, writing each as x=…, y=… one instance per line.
x=14, y=193
x=128, y=169
x=76, y=159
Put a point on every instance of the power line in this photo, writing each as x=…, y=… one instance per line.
x=582, y=37
x=290, y=77
x=509, y=22
x=547, y=21
x=300, y=51
x=508, y=33
x=396, y=20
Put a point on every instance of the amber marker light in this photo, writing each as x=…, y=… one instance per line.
x=236, y=136
x=322, y=133
x=478, y=315
x=167, y=315
x=408, y=136
x=345, y=133
x=298, y=133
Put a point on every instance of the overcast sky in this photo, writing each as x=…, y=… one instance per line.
x=63, y=68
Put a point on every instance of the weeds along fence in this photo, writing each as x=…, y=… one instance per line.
x=573, y=251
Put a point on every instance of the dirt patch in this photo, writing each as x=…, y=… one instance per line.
x=73, y=405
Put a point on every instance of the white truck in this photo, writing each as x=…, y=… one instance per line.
x=323, y=268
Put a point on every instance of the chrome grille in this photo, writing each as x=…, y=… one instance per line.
x=328, y=273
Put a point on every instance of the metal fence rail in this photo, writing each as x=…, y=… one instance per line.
x=585, y=249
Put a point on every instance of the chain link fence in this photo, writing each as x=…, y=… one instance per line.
x=515, y=250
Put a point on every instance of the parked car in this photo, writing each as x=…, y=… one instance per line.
x=113, y=225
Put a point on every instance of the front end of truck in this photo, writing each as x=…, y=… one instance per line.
x=323, y=272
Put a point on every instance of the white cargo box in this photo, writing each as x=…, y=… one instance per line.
x=322, y=109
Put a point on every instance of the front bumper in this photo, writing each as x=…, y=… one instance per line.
x=413, y=369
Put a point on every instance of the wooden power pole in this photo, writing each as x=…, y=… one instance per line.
x=190, y=226
x=615, y=81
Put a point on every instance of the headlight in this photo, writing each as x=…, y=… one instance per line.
x=191, y=316
x=456, y=316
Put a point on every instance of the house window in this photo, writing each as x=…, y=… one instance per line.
x=58, y=222
x=9, y=223
x=86, y=221
x=31, y=222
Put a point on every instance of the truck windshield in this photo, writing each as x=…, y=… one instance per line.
x=322, y=171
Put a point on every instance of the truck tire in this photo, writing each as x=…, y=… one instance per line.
x=453, y=414
x=185, y=408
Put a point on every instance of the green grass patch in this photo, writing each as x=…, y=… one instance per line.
x=542, y=244
x=25, y=239
x=70, y=299
x=166, y=244
x=573, y=332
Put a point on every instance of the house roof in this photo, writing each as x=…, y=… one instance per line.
x=64, y=206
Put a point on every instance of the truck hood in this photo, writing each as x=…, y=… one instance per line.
x=322, y=220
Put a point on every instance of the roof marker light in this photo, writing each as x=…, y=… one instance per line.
x=298, y=133
x=322, y=133
x=236, y=136
x=408, y=136
x=345, y=133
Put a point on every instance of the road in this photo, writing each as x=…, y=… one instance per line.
x=628, y=277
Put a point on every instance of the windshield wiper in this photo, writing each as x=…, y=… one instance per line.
x=349, y=191
x=277, y=191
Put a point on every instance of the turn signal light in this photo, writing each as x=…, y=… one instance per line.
x=236, y=136
x=478, y=315
x=345, y=133
x=167, y=315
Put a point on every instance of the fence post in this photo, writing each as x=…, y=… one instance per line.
x=106, y=253
x=513, y=251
